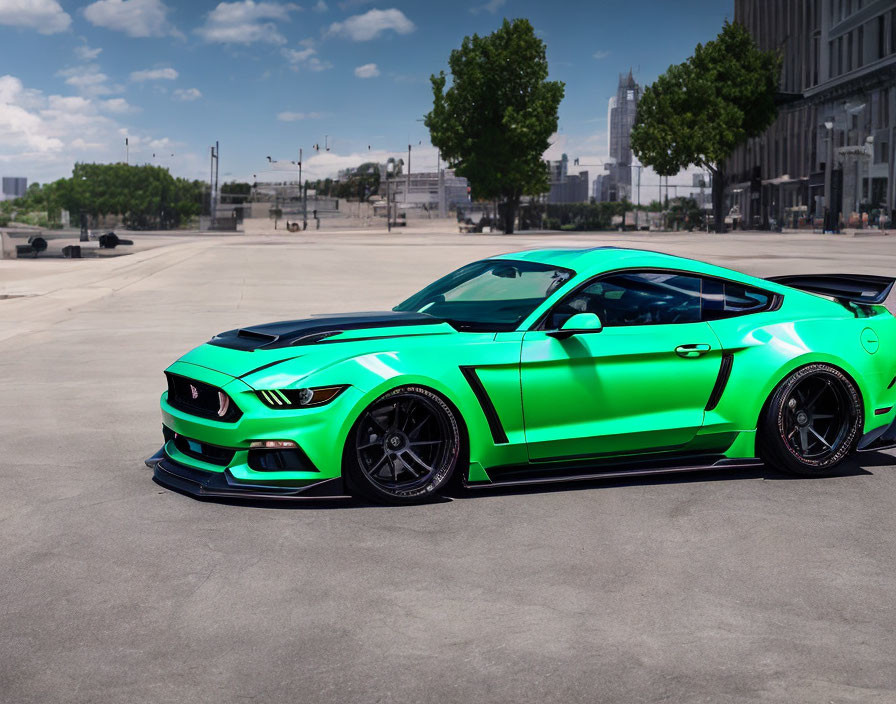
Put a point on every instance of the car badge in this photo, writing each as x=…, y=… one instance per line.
x=194, y=392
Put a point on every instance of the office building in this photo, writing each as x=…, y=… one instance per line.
x=616, y=183
x=13, y=187
x=834, y=135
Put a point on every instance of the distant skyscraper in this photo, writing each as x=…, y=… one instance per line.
x=623, y=108
x=14, y=187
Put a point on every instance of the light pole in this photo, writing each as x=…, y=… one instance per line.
x=303, y=195
x=639, y=167
x=390, y=165
x=828, y=175
x=869, y=142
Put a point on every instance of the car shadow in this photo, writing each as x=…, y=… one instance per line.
x=856, y=466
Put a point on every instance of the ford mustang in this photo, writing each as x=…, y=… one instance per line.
x=541, y=366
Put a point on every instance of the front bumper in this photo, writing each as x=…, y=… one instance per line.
x=206, y=484
x=319, y=432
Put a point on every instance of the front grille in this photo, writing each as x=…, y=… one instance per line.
x=200, y=399
x=213, y=454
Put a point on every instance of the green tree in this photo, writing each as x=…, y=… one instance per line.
x=699, y=111
x=493, y=124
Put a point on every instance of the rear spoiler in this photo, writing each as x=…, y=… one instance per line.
x=863, y=289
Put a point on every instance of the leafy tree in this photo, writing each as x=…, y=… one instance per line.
x=685, y=214
x=493, y=124
x=145, y=196
x=699, y=111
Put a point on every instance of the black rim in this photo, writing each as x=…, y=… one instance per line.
x=816, y=417
x=403, y=442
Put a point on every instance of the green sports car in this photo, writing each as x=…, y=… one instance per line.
x=540, y=366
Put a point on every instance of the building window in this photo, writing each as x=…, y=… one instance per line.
x=882, y=152
x=893, y=32
x=849, y=52
x=861, y=42
x=881, y=38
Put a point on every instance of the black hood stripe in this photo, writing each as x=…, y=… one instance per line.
x=312, y=330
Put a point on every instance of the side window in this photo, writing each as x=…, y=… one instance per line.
x=726, y=299
x=634, y=298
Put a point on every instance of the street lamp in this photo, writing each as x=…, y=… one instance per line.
x=869, y=141
x=302, y=192
x=828, y=175
x=390, y=167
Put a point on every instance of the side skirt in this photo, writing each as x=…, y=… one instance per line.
x=529, y=475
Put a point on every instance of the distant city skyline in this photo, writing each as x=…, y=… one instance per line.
x=266, y=78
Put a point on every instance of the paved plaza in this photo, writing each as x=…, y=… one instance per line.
x=714, y=587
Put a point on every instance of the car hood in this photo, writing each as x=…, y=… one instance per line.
x=322, y=340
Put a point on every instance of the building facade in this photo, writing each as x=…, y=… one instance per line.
x=566, y=187
x=829, y=157
x=616, y=183
x=431, y=190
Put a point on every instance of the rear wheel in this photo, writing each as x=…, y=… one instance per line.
x=404, y=447
x=812, y=421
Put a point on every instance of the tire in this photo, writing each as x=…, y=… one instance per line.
x=811, y=422
x=403, y=448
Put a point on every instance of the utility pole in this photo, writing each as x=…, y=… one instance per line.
x=407, y=194
x=127, y=152
x=211, y=183
x=217, y=162
x=388, y=204
x=302, y=194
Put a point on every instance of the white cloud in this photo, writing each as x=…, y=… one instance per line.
x=46, y=16
x=320, y=6
x=136, y=18
x=492, y=6
x=306, y=58
x=367, y=71
x=88, y=80
x=21, y=129
x=296, y=116
x=186, y=95
x=246, y=22
x=324, y=164
x=85, y=53
x=154, y=74
x=119, y=106
x=371, y=24
x=601, y=54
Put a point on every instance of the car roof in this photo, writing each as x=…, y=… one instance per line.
x=595, y=260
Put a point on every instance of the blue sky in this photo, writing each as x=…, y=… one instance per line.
x=265, y=78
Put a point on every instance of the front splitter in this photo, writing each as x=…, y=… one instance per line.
x=202, y=484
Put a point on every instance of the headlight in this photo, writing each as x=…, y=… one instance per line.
x=299, y=398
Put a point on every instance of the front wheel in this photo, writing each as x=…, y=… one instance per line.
x=403, y=448
x=812, y=421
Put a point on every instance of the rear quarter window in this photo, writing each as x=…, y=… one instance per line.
x=727, y=299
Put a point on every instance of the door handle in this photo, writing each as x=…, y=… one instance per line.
x=691, y=351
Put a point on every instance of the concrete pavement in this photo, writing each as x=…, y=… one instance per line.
x=716, y=587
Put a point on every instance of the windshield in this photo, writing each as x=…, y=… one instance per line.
x=491, y=295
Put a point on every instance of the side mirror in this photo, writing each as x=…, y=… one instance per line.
x=578, y=324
